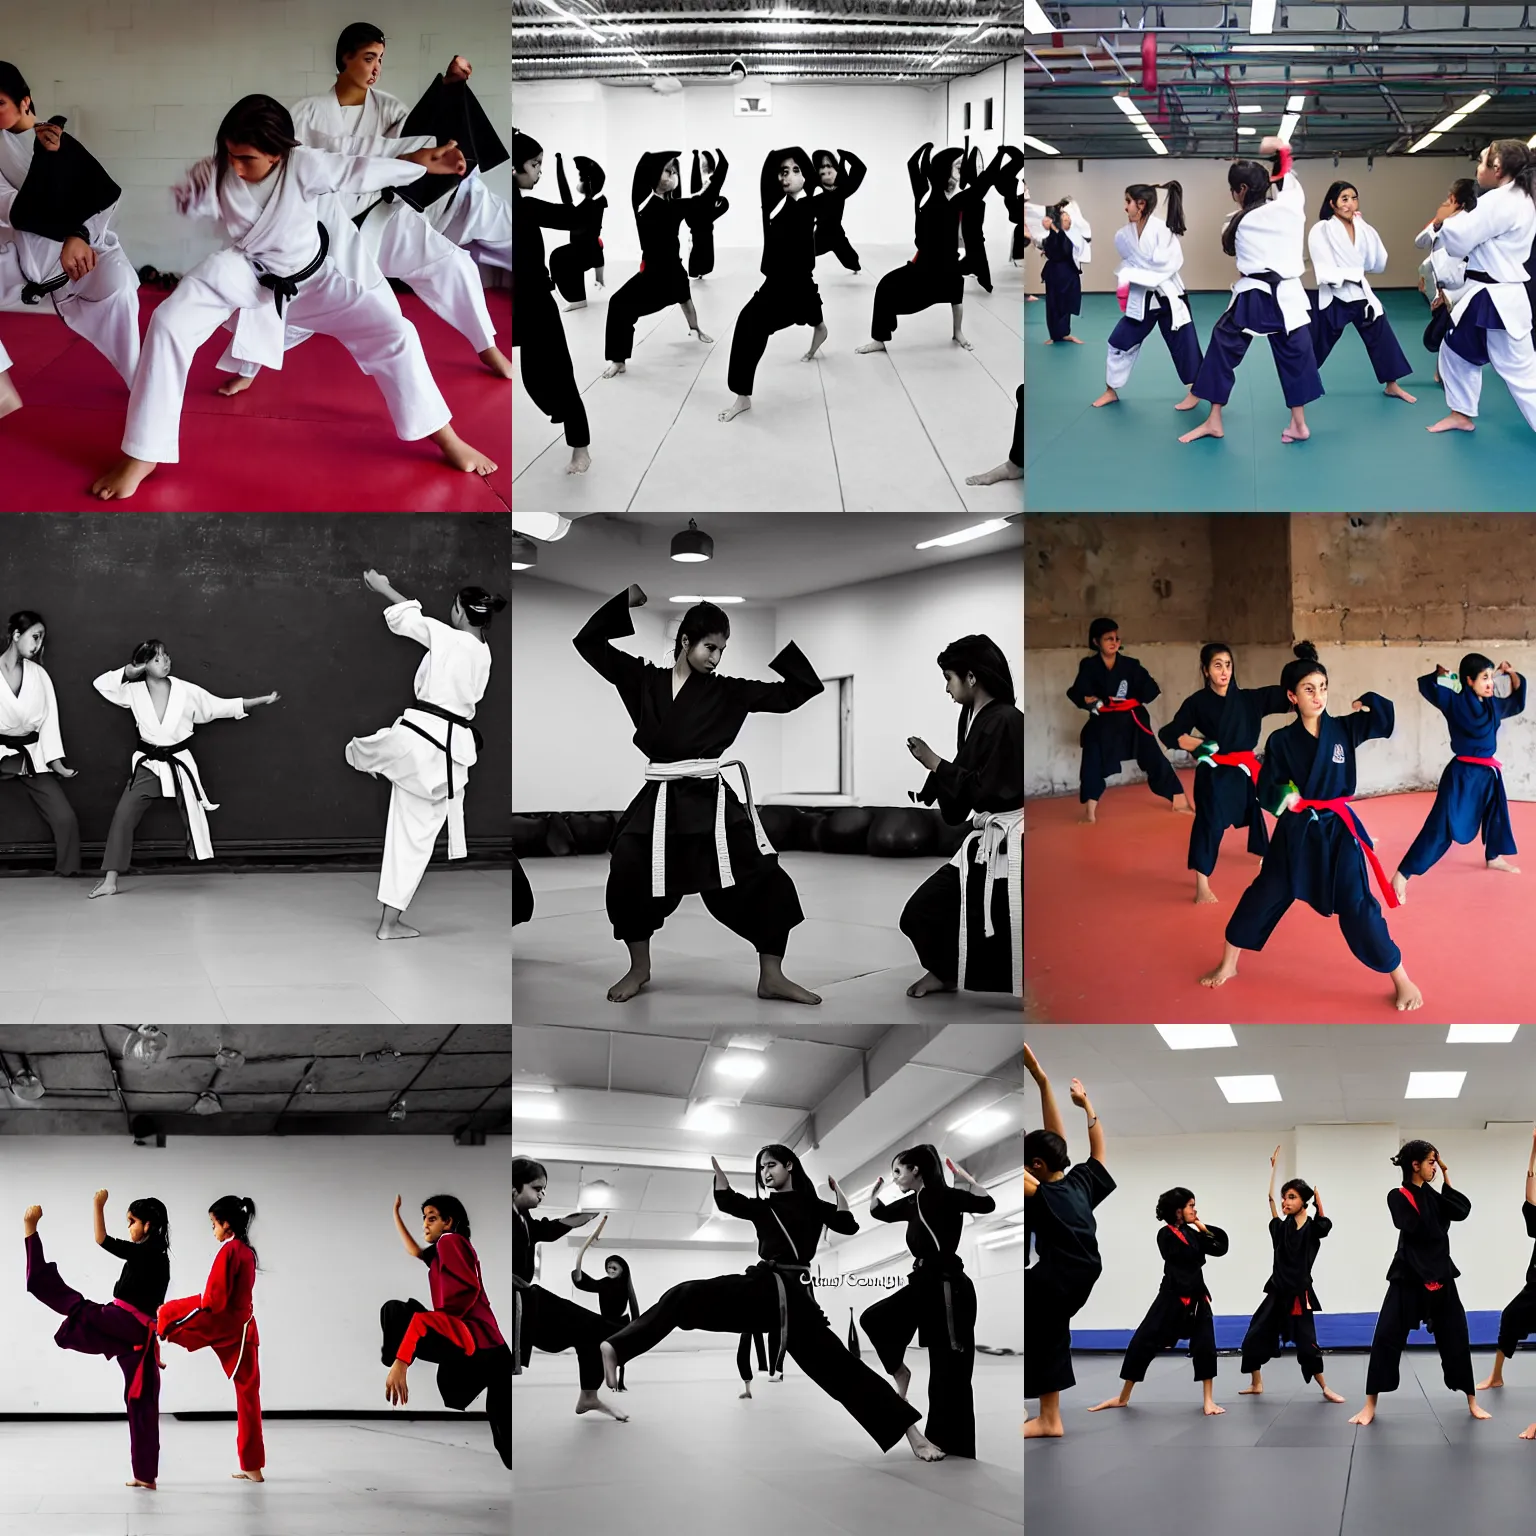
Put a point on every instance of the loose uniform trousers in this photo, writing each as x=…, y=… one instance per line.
x=1224, y=797
x=1517, y=1320
x=1381, y=345
x=774, y=307
x=51, y=803
x=1479, y=337
x=733, y=1303
x=553, y=1324
x=1300, y=382
x=1125, y=341
x=833, y=238
x=184, y=1323
x=744, y=1356
x=649, y=290
x=1168, y=1320
x=1048, y=1310
x=569, y=264
x=143, y=792
x=1406, y=1305
x=548, y=373
x=1470, y=800
x=1107, y=740
x=1063, y=297
x=909, y=290
x=1276, y=1323
x=90, y=1328
x=931, y=920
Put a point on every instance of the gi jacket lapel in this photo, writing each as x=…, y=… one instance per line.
x=1325, y=780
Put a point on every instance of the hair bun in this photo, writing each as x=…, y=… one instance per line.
x=1304, y=650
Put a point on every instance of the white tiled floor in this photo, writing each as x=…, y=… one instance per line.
x=325, y=1477
x=262, y=948
x=849, y=949
x=695, y=1461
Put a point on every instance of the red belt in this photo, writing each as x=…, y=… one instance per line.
x=148, y=1350
x=1119, y=707
x=1482, y=762
x=1236, y=760
x=1341, y=809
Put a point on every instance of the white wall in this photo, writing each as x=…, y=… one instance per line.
x=1229, y=1175
x=1004, y=83
x=145, y=86
x=615, y=125
x=324, y=1230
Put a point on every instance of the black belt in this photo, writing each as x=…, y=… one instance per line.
x=32, y=292
x=18, y=742
x=1478, y=276
x=285, y=288
x=947, y=1265
x=447, y=744
x=1270, y=278
x=386, y=196
x=168, y=755
x=778, y=1271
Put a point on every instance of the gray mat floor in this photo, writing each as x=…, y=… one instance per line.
x=1286, y=1463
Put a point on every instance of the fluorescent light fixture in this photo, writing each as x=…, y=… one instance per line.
x=965, y=535
x=979, y=1124
x=598, y=1193
x=740, y=1065
x=1428, y=139
x=1041, y=145
x=1035, y=19
x=535, y=1109
x=549, y=526
x=1447, y=123
x=1296, y=104
x=1247, y=130
x=1481, y=1034
x=1250, y=107
x=1274, y=47
x=1258, y=1089
x=696, y=597
x=1261, y=18
x=1288, y=126
x=707, y=1117
x=1196, y=1037
x=1129, y=107
x=1435, y=1085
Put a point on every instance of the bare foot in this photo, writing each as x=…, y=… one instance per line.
x=782, y=988
x=1090, y=813
x=1007, y=470
x=1477, y=1410
x=1222, y=973
x=248, y=1477
x=497, y=361
x=1205, y=429
x=1401, y=393
x=960, y=341
x=746, y=1391
x=1250, y=1391
x=9, y=399
x=613, y=370
x=1332, y=1396
x=1295, y=434
x=1109, y=1402
x=818, y=336
x=1490, y=1384
x=590, y=1402
x=922, y=1448
x=927, y=983
x=1529, y=1432
x=1211, y=1408
x=1203, y=893
x=581, y=462
x=1400, y=885
x=1503, y=865
x=30, y=1218
x=1180, y=803
x=393, y=928
x=137, y=1484
x=1365, y=1415
x=123, y=479
x=1455, y=422
x=700, y=334
x=107, y=887
x=621, y=992
x=234, y=386
x=1076, y=341
x=463, y=457
x=610, y=1362
x=878, y=346
x=1188, y=403
x=1406, y=997
x=1108, y=397
x=1035, y=1429
x=1050, y=341
x=903, y=1379
x=735, y=408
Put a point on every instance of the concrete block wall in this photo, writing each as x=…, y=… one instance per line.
x=144, y=85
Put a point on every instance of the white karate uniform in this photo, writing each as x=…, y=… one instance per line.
x=34, y=709
x=103, y=306
x=1149, y=271
x=272, y=224
x=1340, y=263
x=1494, y=237
x=453, y=675
x=1440, y=270
x=473, y=216
x=399, y=239
x=188, y=706
x=1270, y=239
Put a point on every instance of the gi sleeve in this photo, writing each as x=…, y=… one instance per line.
x=1271, y=699
x=216, y=1292
x=307, y=129
x=1276, y=1227
x=1213, y=1240
x=1513, y=705
x=320, y=171
x=49, y=738
x=967, y=1200
x=113, y=689
x=565, y=186
x=1528, y=1211
x=800, y=684
x=611, y=622
x=1098, y=1179
x=197, y=193
x=901, y=1210
x=1456, y=1205
x=836, y=1220
x=1144, y=685
x=1433, y=694
x=1168, y=1245
x=1078, y=692
x=998, y=774
x=1274, y=775
x=917, y=172
x=1373, y=723
x=457, y=1275
x=1182, y=724
x=1322, y=1225
x=1320, y=252
x=734, y=1203
x=407, y=619
x=540, y=1228
x=1467, y=229
x=120, y=1248
x=854, y=172
x=1404, y=1217
x=581, y=1282
x=207, y=706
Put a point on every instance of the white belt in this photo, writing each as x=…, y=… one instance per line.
x=698, y=768
x=999, y=840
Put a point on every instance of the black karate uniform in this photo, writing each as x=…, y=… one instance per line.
x=971, y=223
x=615, y=1300
x=1285, y=1314
x=548, y=373
x=1421, y=1288
x=1314, y=857
x=584, y=251
x=661, y=280
x=987, y=774
x=522, y=894
x=938, y=1304
x=830, y=201
x=744, y=1354
x=1519, y=1318
x=701, y=222
x=1182, y=1307
x=1059, y=1217
x=1224, y=794
x=542, y=1320
x=789, y=295
x=702, y=721
x=1107, y=740
x=775, y=1296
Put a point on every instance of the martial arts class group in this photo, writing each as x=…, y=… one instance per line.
x=1189, y=201
x=1145, y=1140
x=296, y=197
x=882, y=1278
x=887, y=171
x=302, y=1131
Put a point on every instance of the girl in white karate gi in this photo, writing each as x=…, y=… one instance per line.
x=428, y=752
x=31, y=747
x=355, y=118
x=1441, y=275
x=1491, y=322
x=270, y=192
x=166, y=710
x=100, y=302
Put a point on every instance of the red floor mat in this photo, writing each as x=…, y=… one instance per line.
x=1112, y=935
x=314, y=437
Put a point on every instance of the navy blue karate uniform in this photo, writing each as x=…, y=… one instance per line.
x=1063, y=285
x=1224, y=794
x=1471, y=798
x=1107, y=740
x=1313, y=856
x=1381, y=344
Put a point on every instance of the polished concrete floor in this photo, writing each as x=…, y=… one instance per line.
x=325, y=1477
x=204, y=947
x=849, y=949
x=694, y=1460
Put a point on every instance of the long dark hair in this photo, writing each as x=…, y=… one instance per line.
x=1251, y=178
x=1305, y=665
x=1464, y=189
x=1412, y=1152
x=782, y=1154
x=1208, y=653
x=20, y=622
x=451, y=1208
x=629, y=1283
x=981, y=655
x=525, y=1171
x=1327, y=210
x=1516, y=162
x=1145, y=193
x=1172, y=1201
x=702, y=620
x=155, y=1216
x=480, y=606
x=237, y=1212
x=925, y=1159
x=1049, y=1147
x=260, y=121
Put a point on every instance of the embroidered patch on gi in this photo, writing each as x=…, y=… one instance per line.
x=1120, y=692
x=1338, y=751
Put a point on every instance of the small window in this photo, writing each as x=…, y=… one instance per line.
x=967, y=114
x=988, y=111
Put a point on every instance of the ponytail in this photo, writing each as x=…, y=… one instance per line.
x=1173, y=207
x=1251, y=179
x=237, y=1212
x=1516, y=162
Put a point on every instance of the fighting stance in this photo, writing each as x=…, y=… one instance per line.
x=583, y=252
x=775, y=1294
x=938, y=1302
x=1059, y=1200
x=704, y=215
x=966, y=920
x=269, y=193
x=166, y=710
x=1471, y=798
x=838, y=177
x=686, y=831
x=31, y=745
x=124, y=1329
x=1285, y=1314
x=428, y=752
x=540, y=1319
x=1421, y=1281
x=1518, y=1320
x=458, y=1332
x=222, y=1319
x=615, y=1293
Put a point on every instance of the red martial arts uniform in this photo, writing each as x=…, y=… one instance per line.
x=461, y=1312
x=222, y=1319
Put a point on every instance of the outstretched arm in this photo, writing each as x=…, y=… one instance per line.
x=1095, y=1130
x=565, y=186
x=696, y=180
x=412, y=1247
x=99, y=1216
x=917, y=170
x=612, y=622
x=1050, y=1113
x=1273, y=1211
x=854, y=172
x=380, y=584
